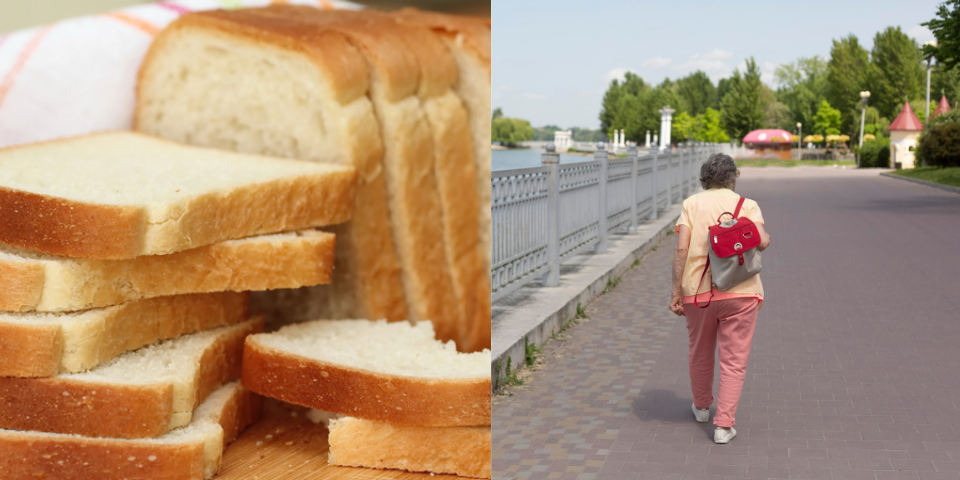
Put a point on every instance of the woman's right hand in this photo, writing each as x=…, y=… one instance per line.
x=676, y=305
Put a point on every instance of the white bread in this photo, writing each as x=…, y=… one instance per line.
x=302, y=93
x=119, y=195
x=354, y=442
x=143, y=393
x=40, y=282
x=416, y=216
x=45, y=344
x=468, y=39
x=394, y=372
x=188, y=453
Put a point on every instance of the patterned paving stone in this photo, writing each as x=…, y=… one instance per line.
x=855, y=367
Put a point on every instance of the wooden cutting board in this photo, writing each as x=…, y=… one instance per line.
x=285, y=445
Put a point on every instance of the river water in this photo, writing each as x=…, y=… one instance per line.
x=526, y=158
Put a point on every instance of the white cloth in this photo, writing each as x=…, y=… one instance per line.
x=79, y=75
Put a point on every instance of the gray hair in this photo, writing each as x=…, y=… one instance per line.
x=719, y=171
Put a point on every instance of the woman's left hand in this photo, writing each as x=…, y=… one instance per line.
x=676, y=305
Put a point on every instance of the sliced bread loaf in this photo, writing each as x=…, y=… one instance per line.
x=393, y=372
x=120, y=195
x=45, y=344
x=143, y=393
x=234, y=81
x=468, y=39
x=416, y=214
x=354, y=442
x=48, y=283
x=189, y=453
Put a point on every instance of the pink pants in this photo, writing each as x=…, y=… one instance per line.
x=732, y=322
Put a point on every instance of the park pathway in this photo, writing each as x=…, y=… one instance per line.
x=854, y=371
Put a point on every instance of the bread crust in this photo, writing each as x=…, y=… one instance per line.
x=63, y=457
x=463, y=451
x=83, y=229
x=38, y=349
x=367, y=277
x=101, y=408
x=363, y=394
x=55, y=284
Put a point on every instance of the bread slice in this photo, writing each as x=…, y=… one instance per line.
x=191, y=452
x=416, y=216
x=393, y=372
x=45, y=344
x=143, y=393
x=119, y=195
x=468, y=39
x=304, y=96
x=39, y=282
x=354, y=442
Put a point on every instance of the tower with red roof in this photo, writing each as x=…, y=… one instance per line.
x=904, y=132
x=943, y=107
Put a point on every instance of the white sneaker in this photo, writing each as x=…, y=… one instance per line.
x=702, y=416
x=722, y=435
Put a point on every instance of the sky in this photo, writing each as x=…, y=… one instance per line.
x=553, y=60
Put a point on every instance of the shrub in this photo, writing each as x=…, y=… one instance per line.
x=940, y=145
x=875, y=153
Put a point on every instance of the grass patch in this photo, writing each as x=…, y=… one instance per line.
x=531, y=351
x=944, y=176
x=512, y=377
x=611, y=284
x=581, y=313
x=773, y=162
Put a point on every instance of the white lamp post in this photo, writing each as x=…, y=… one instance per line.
x=863, y=115
x=799, y=141
x=929, y=59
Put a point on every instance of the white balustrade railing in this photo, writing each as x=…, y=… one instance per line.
x=542, y=215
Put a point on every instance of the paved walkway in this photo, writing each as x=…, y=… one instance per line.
x=855, y=367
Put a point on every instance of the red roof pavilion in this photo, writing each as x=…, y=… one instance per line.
x=943, y=107
x=906, y=120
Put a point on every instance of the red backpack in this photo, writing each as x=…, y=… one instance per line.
x=733, y=255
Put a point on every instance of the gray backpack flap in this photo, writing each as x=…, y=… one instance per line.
x=734, y=255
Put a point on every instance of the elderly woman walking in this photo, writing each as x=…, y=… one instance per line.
x=730, y=315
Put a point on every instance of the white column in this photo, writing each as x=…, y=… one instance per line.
x=648, y=139
x=623, y=138
x=666, y=117
x=655, y=140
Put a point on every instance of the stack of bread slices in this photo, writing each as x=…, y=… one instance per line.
x=124, y=260
x=390, y=394
x=402, y=96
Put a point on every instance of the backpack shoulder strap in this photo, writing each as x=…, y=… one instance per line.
x=736, y=213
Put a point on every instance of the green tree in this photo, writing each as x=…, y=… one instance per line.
x=710, y=129
x=682, y=127
x=874, y=123
x=899, y=74
x=497, y=113
x=946, y=28
x=696, y=92
x=944, y=81
x=778, y=115
x=827, y=120
x=802, y=86
x=511, y=130
x=723, y=87
x=848, y=73
x=743, y=107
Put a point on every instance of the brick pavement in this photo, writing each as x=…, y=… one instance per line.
x=855, y=367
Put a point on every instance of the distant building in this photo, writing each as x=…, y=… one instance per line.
x=943, y=107
x=769, y=142
x=904, y=132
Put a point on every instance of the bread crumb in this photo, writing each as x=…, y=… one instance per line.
x=46, y=457
x=324, y=374
x=66, y=394
x=131, y=458
x=259, y=442
x=152, y=458
x=269, y=436
x=288, y=443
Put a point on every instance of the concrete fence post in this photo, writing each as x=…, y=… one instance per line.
x=601, y=156
x=668, y=156
x=632, y=155
x=551, y=159
x=653, y=182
